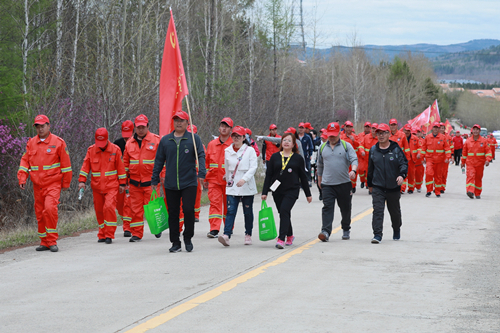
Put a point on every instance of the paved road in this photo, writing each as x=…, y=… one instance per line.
x=443, y=276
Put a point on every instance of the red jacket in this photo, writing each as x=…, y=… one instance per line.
x=414, y=145
x=400, y=139
x=214, y=162
x=368, y=142
x=435, y=148
x=139, y=162
x=458, y=142
x=476, y=152
x=354, y=143
x=46, y=162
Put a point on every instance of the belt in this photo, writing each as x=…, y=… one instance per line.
x=139, y=184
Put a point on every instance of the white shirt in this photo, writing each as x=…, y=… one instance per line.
x=246, y=170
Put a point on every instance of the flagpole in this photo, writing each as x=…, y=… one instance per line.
x=192, y=133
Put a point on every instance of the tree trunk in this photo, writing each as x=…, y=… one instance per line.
x=122, y=49
x=58, y=41
x=75, y=45
x=139, y=45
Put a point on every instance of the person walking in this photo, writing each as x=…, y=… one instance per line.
x=104, y=162
x=47, y=163
x=399, y=137
x=364, y=147
x=449, y=139
x=387, y=169
x=252, y=143
x=476, y=155
x=419, y=165
x=307, y=148
x=349, y=136
x=285, y=176
x=337, y=166
x=268, y=149
x=241, y=164
x=177, y=152
x=458, y=143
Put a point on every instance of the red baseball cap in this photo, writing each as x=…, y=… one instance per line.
x=308, y=125
x=228, y=121
x=348, y=123
x=322, y=130
x=141, y=120
x=368, y=124
x=476, y=125
x=181, y=115
x=457, y=132
x=291, y=130
x=333, y=129
x=407, y=127
x=41, y=119
x=374, y=125
x=248, y=131
x=273, y=126
x=195, y=129
x=414, y=130
x=436, y=124
x=418, y=129
x=324, y=136
x=383, y=127
x=392, y=121
x=302, y=125
x=238, y=130
x=127, y=129
x=101, y=137
x=441, y=124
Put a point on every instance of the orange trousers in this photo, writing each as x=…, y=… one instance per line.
x=410, y=179
x=353, y=181
x=123, y=207
x=139, y=196
x=218, y=205
x=445, y=174
x=434, y=176
x=363, y=169
x=419, y=175
x=474, y=181
x=105, y=212
x=46, y=201
x=197, y=207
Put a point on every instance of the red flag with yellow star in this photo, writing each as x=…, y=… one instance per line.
x=434, y=116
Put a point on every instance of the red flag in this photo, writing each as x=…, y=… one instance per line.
x=173, y=85
x=447, y=127
x=434, y=116
x=420, y=120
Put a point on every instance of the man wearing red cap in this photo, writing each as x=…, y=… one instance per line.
x=413, y=143
x=458, y=144
x=47, y=162
x=419, y=165
x=307, y=149
x=493, y=145
x=123, y=199
x=436, y=153
x=348, y=136
x=476, y=154
x=139, y=158
x=104, y=161
x=399, y=137
x=367, y=142
x=269, y=148
x=215, y=173
x=442, y=130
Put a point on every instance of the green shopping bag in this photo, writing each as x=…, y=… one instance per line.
x=267, y=227
x=156, y=214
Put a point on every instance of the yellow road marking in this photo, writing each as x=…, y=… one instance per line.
x=188, y=305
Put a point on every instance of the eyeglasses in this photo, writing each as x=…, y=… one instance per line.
x=236, y=136
x=382, y=132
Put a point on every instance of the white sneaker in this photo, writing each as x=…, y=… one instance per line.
x=224, y=240
x=248, y=240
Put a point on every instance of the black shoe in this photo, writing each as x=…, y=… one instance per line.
x=353, y=190
x=127, y=234
x=478, y=197
x=101, y=240
x=158, y=235
x=320, y=197
x=54, y=248
x=42, y=248
x=109, y=240
x=438, y=195
x=396, y=235
x=196, y=219
x=175, y=248
x=442, y=191
x=324, y=236
x=362, y=185
x=189, y=246
x=135, y=239
x=428, y=194
x=410, y=192
x=470, y=195
x=376, y=239
x=369, y=192
x=213, y=234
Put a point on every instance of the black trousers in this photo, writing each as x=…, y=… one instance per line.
x=379, y=198
x=188, y=196
x=341, y=193
x=284, y=202
x=457, y=155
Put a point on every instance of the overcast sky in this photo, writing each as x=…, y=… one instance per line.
x=397, y=22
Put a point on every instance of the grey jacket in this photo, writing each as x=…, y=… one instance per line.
x=333, y=164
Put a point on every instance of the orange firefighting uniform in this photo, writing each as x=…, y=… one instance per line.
x=400, y=139
x=435, y=150
x=139, y=163
x=216, y=185
x=362, y=164
x=413, y=161
x=493, y=146
x=49, y=167
x=271, y=148
x=366, y=144
x=419, y=167
x=447, y=165
x=108, y=172
x=355, y=144
x=474, y=155
x=123, y=207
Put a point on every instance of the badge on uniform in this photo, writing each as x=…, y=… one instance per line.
x=399, y=139
x=151, y=147
x=186, y=150
x=439, y=142
x=289, y=170
x=48, y=150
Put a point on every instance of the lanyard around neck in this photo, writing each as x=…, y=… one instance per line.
x=283, y=164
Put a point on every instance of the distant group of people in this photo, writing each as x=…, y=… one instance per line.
x=124, y=174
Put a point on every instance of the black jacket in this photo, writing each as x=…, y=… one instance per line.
x=384, y=166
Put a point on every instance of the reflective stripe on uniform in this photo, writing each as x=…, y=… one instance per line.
x=148, y=161
x=51, y=231
x=96, y=174
x=213, y=165
x=64, y=170
x=126, y=218
x=429, y=183
x=42, y=234
x=110, y=173
x=53, y=166
x=21, y=168
x=83, y=173
x=122, y=176
x=136, y=224
x=110, y=224
x=34, y=168
x=134, y=161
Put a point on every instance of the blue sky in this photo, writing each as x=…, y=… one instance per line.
x=392, y=22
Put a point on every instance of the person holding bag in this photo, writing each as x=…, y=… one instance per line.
x=285, y=175
x=240, y=164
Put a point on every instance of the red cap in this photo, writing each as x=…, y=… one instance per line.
x=457, y=132
x=383, y=127
x=348, y=123
x=248, y=131
x=436, y=124
x=333, y=129
x=374, y=125
x=291, y=130
x=368, y=124
x=195, y=129
x=239, y=130
x=476, y=125
x=141, y=120
x=302, y=125
x=41, y=119
x=308, y=125
x=418, y=129
x=181, y=115
x=392, y=121
x=322, y=130
x=228, y=121
x=414, y=130
x=127, y=128
x=273, y=126
x=407, y=127
x=101, y=137
x=441, y=124
x=324, y=136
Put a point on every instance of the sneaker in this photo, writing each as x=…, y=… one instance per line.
x=101, y=240
x=428, y=194
x=310, y=184
x=224, y=240
x=108, y=240
x=175, y=248
x=362, y=185
x=280, y=244
x=196, y=219
x=419, y=190
x=396, y=235
x=410, y=192
x=127, y=234
x=189, y=246
x=289, y=240
x=54, y=248
x=470, y=195
x=42, y=248
x=213, y=234
x=376, y=239
x=158, y=235
x=135, y=239
x=478, y=197
x=324, y=236
x=248, y=240
x=347, y=234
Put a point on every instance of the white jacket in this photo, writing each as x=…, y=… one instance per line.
x=246, y=170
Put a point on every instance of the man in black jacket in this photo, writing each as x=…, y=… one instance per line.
x=387, y=170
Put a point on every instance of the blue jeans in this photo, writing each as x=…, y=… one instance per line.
x=232, y=209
